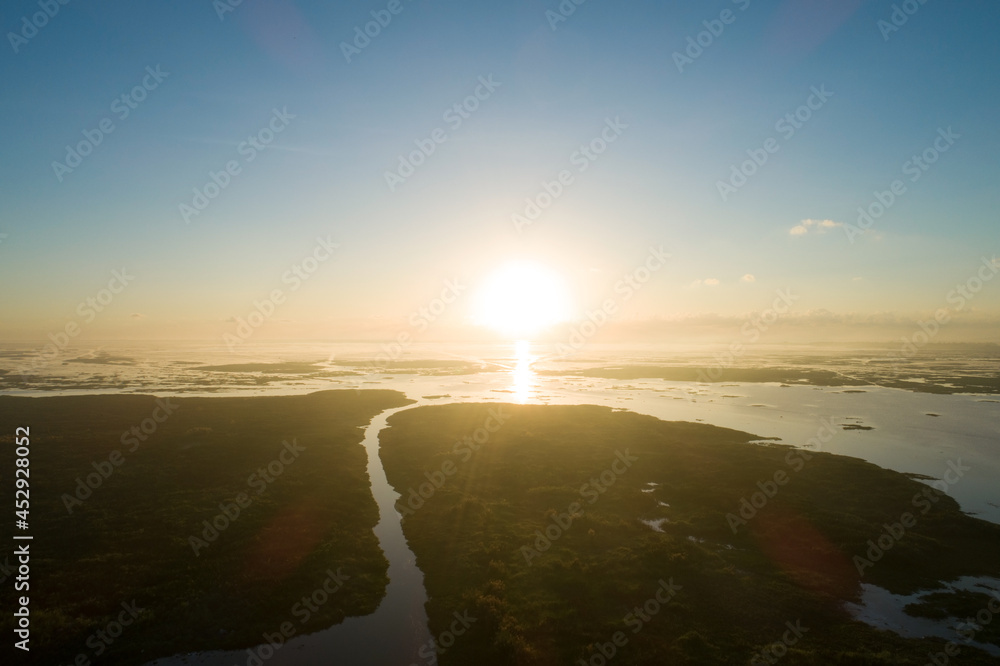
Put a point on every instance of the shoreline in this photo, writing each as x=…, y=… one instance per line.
x=450, y=403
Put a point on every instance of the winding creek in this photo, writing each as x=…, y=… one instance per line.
x=393, y=634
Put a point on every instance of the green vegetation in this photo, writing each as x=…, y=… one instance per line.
x=130, y=540
x=792, y=561
x=289, y=368
x=942, y=382
x=417, y=366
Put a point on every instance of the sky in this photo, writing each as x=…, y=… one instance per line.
x=632, y=126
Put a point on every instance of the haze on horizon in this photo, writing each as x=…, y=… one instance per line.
x=270, y=157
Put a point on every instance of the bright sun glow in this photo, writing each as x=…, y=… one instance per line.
x=522, y=299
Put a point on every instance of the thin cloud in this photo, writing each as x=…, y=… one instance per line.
x=817, y=226
x=748, y=278
x=273, y=145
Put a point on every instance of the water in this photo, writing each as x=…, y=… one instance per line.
x=921, y=433
x=884, y=610
x=655, y=524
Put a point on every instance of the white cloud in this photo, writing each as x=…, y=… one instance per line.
x=748, y=278
x=711, y=282
x=819, y=226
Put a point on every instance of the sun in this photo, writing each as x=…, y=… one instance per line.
x=522, y=299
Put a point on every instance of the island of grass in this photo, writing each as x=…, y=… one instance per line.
x=959, y=605
x=285, y=368
x=571, y=533
x=140, y=537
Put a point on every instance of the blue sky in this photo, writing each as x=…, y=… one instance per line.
x=657, y=184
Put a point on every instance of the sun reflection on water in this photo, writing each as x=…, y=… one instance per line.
x=523, y=377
